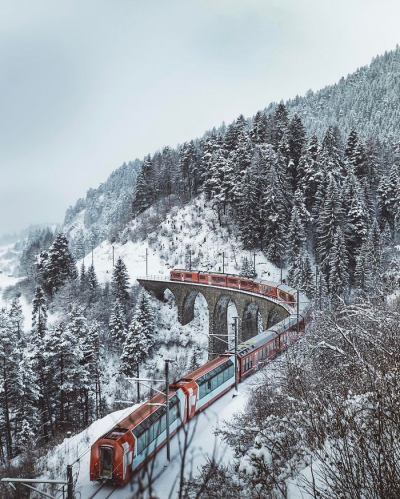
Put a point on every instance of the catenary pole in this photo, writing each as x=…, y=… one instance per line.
x=236, y=332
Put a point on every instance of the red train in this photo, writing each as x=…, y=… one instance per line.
x=127, y=447
x=266, y=288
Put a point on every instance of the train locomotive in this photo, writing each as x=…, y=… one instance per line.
x=132, y=442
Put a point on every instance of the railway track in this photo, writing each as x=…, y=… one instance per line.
x=103, y=492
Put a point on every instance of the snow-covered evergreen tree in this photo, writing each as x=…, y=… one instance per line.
x=60, y=265
x=120, y=281
x=117, y=324
x=247, y=268
x=140, y=337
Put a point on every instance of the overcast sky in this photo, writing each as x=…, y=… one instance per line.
x=88, y=84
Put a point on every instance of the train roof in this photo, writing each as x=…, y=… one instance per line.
x=209, y=366
x=255, y=342
x=137, y=416
x=266, y=336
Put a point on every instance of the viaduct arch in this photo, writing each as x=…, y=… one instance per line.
x=248, y=305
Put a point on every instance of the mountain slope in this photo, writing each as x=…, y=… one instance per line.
x=367, y=100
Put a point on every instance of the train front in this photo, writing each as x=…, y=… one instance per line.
x=111, y=457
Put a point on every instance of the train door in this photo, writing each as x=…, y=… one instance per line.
x=127, y=458
x=255, y=360
x=192, y=399
x=106, y=462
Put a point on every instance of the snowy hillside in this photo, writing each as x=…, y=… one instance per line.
x=190, y=233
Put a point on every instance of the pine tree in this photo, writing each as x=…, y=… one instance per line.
x=332, y=156
x=389, y=196
x=64, y=347
x=312, y=174
x=16, y=321
x=189, y=165
x=83, y=276
x=140, y=337
x=300, y=274
x=328, y=224
x=117, y=324
x=276, y=207
x=258, y=133
x=38, y=357
x=142, y=196
x=338, y=277
x=296, y=141
x=92, y=353
x=369, y=263
x=296, y=236
x=249, y=208
x=281, y=124
x=195, y=359
x=247, y=268
x=60, y=266
x=355, y=155
x=120, y=282
x=27, y=408
x=8, y=378
x=39, y=320
x=92, y=280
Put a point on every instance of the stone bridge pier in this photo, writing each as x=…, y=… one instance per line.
x=248, y=307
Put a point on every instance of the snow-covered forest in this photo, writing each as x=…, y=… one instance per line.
x=311, y=189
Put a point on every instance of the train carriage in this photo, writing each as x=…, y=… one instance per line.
x=217, y=279
x=255, y=352
x=287, y=294
x=185, y=275
x=127, y=447
x=268, y=288
x=207, y=383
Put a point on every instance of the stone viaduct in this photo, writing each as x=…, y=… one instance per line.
x=248, y=305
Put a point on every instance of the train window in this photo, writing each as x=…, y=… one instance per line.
x=142, y=442
x=173, y=409
x=188, y=276
x=247, y=363
x=149, y=429
x=215, y=378
x=153, y=417
x=282, y=295
x=202, y=391
x=232, y=281
x=176, y=274
x=202, y=277
x=218, y=279
x=163, y=423
x=150, y=433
